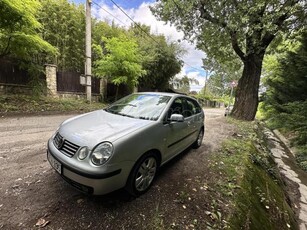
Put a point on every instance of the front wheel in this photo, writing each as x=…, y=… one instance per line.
x=199, y=139
x=142, y=174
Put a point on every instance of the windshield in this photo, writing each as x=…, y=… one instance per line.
x=141, y=106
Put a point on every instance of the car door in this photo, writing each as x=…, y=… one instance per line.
x=176, y=132
x=193, y=117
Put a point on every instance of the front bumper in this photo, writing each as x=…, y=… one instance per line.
x=90, y=182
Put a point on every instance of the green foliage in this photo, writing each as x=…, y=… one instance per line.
x=161, y=59
x=221, y=75
x=223, y=27
x=237, y=31
x=163, y=64
x=252, y=183
x=19, y=28
x=301, y=157
x=287, y=77
x=103, y=29
x=121, y=63
x=37, y=84
x=285, y=102
x=182, y=84
x=21, y=41
x=64, y=27
x=29, y=104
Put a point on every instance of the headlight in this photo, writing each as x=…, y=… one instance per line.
x=102, y=153
x=82, y=153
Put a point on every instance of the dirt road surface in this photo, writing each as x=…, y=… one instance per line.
x=33, y=195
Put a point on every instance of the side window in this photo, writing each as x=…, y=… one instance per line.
x=190, y=109
x=176, y=107
x=198, y=109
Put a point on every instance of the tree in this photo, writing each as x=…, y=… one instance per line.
x=221, y=76
x=120, y=62
x=181, y=84
x=19, y=30
x=285, y=100
x=227, y=28
x=64, y=27
x=286, y=76
x=161, y=58
x=102, y=30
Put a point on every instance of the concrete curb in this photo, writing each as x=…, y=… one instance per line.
x=280, y=149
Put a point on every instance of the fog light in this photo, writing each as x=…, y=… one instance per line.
x=83, y=153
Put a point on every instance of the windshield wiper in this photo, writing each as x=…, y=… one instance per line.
x=123, y=105
x=125, y=115
x=144, y=118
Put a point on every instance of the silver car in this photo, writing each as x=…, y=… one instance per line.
x=123, y=145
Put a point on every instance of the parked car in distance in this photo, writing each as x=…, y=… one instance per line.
x=228, y=110
x=123, y=145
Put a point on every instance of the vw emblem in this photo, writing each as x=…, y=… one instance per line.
x=58, y=142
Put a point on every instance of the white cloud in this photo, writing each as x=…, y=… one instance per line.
x=193, y=57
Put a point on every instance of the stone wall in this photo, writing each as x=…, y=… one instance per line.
x=95, y=97
x=14, y=89
x=51, y=80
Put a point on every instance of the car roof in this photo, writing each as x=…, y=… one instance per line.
x=158, y=93
x=166, y=94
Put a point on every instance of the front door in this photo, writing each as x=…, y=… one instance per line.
x=176, y=137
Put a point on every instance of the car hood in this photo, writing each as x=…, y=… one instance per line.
x=98, y=126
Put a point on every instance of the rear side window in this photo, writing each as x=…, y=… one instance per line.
x=191, y=108
x=198, y=109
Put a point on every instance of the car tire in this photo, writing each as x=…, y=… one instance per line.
x=142, y=174
x=199, y=139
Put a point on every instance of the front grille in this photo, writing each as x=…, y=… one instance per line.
x=66, y=147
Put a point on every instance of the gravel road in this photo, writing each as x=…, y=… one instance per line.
x=33, y=195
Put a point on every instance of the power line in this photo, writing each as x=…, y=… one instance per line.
x=109, y=13
x=193, y=67
x=134, y=22
x=138, y=26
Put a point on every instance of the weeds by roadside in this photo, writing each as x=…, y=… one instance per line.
x=250, y=184
x=22, y=104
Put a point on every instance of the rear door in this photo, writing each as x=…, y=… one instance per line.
x=194, y=118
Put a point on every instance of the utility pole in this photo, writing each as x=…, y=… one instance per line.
x=88, y=51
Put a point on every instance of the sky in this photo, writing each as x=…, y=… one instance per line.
x=139, y=11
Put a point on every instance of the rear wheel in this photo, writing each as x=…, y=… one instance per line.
x=142, y=174
x=199, y=139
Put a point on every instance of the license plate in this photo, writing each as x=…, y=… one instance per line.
x=54, y=163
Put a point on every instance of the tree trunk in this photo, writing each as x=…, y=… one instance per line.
x=246, y=102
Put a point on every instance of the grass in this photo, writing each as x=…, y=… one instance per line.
x=251, y=184
x=15, y=104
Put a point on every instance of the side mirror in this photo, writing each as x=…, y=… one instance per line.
x=176, y=118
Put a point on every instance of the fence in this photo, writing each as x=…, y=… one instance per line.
x=70, y=82
x=13, y=79
x=10, y=73
x=60, y=84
